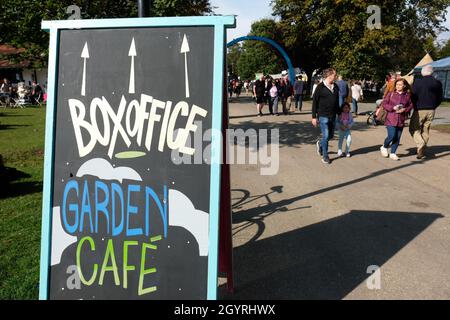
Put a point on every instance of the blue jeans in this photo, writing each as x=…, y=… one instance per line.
x=393, y=138
x=327, y=126
x=346, y=134
x=298, y=101
x=274, y=104
x=341, y=101
x=354, y=106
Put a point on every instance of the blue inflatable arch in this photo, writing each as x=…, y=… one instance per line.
x=272, y=43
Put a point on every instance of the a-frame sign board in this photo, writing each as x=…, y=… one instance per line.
x=133, y=158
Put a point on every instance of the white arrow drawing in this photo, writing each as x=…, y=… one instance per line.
x=132, y=53
x=185, y=50
x=84, y=55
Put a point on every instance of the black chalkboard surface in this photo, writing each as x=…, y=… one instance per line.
x=130, y=208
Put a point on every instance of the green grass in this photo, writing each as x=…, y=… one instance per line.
x=442, y=128
x=21, y=147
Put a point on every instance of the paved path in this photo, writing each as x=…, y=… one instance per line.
x=442, y=113
x=311, y=231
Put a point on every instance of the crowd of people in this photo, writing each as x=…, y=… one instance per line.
x=335, y=104
x=33, y=93
x=267, y=90
x=331, y=111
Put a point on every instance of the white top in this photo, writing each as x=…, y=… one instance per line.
x=331, y=87
x=273, y=91
x=313, y=90
x=356, y=91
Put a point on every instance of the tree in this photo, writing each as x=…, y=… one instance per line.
x=444, y=51
x=167, y=8
x=321, y=33
x=260, y=57
x=20, y=20
x=233, y=56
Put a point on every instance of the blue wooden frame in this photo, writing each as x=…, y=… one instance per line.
x=220, y=24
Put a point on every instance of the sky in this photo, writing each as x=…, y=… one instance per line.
x=446, y=35
x=249, y=11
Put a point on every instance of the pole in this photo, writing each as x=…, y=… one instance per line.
x=144, y=7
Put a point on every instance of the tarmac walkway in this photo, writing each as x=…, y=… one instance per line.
x=313, y=230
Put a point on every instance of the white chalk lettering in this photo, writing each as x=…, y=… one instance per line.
x=129, y=122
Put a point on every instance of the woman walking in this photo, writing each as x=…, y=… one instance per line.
x=398, y=105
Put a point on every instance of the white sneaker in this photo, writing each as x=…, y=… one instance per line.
x=339, y=154
x=393, y=156
x=384, y=152
x=348, y=155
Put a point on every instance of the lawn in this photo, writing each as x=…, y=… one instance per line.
x=21, y=147
x=445, y=104
x=442, y=128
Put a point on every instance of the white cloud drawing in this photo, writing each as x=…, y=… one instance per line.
x=61, y=240
x=182, y=213
x=102, y=169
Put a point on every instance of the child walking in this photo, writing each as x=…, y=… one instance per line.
x=344, y=123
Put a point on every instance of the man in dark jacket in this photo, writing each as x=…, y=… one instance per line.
x=343, y=90
x=259, y=91
x=298, y=93
x=427, y=96
x=324, y=110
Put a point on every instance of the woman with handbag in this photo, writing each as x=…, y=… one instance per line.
x=398, y=105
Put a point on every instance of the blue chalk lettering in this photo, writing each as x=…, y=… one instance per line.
x=72, y=207
x=162, y=209
x=132, y=210
x=86, y=208
x=116, y=189
x=101, y=206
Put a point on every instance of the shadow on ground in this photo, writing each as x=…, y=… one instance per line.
x=326, y=260
x=11, y=126
x=292, y=132
x=10, y=189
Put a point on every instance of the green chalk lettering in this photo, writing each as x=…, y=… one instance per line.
x=113, y=267
x=126, y=267
x=144, y=272
x=82, y=278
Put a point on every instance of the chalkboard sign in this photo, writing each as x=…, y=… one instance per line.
x=126, y=212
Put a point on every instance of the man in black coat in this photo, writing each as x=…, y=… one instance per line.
x=259, y=90
x=427, y=96
x=324, y=111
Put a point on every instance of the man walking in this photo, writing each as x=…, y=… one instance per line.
x=357, y=95
x=259, y=91
x=427, y=96
x=343, y=90
x=324, y=110
x=298, y=93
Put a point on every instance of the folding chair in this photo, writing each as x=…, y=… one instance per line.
x=20, y=102
x=38, y=100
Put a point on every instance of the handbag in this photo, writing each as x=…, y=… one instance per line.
x=380, y=113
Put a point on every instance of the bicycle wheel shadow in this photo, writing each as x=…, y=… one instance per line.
x=326, y=260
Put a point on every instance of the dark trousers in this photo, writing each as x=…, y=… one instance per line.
x=298, y=102
x=270, y=105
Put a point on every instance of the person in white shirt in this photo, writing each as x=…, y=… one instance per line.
x=357, y=95
x=316, y=83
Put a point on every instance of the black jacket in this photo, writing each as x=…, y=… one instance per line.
x=325, y=102
x=427, y=93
